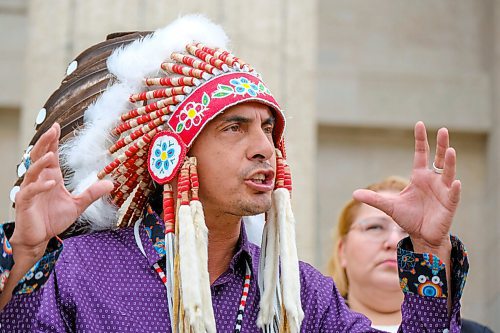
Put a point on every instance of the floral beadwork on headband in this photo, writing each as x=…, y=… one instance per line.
x=213, y=97
x=240, y=86
x=192, y=114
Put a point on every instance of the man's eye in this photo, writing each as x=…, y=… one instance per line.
x=268, y=129
x=232, y=128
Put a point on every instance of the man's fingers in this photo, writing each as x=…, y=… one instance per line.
x=374, y=199
x=54, y=144
x=47, y=160
x=454, y=194
x=450, y=164
x=49, y=141
x=421, y=157
x=442, y=143
x=33, y=189
x=93, y=192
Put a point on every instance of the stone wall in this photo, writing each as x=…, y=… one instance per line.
x=382, y=66
x=353, y=76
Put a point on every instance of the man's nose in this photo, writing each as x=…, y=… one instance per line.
x=261, y=146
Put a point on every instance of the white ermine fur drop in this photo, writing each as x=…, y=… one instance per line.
x=189, y=270
x=290, y=279
x=268, y=269
x=201, y=246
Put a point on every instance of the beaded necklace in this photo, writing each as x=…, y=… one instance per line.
x=163, y=278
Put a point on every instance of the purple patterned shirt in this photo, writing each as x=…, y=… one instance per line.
x=103, y=283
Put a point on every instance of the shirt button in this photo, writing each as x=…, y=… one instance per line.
x=446, y=330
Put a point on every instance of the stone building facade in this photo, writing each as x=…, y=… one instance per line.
x=353, y=77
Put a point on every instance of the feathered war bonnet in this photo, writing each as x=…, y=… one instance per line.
x=144, y=105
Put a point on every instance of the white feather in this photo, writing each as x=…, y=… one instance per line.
x=102, y=214
x=87, y=153
x=151, y=51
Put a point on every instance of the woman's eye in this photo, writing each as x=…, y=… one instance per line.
x=375, y=227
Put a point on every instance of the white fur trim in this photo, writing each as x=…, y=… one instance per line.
x=290, y=279
x=268, y=270
x=190, y=286
x=201, y=239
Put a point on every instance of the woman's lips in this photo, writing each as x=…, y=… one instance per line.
x=390, y=262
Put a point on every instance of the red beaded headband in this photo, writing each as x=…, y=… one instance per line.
x=199, y=86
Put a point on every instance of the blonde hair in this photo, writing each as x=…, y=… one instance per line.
x=346, y=218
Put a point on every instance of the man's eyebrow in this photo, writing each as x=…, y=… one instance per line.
x=236, y=119
x=269, y=121
x=242, y=119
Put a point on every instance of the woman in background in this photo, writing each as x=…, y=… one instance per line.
x=363, y=263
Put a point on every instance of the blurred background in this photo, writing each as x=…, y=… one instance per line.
x=353, y=76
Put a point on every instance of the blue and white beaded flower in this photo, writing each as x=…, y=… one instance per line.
x=243, y=86
x=165, y=156
x=164, y=153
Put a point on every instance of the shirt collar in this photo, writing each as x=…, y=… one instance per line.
x=154, y=228
x=243, y=251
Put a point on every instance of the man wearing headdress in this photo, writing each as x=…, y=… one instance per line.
x=178, y=140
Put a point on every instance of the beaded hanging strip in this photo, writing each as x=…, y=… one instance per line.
x=243, y=301
x=244, y=293
x=167, y=282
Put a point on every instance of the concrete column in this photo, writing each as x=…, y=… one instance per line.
x=13, y=24
x=299, y=76
x=9, y=146
x=492, y=258
x=46, y=57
